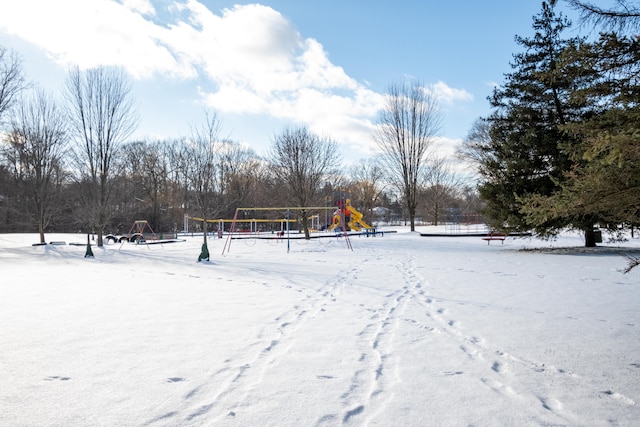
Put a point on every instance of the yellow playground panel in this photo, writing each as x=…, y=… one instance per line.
x=253, y=225
x=353, y=218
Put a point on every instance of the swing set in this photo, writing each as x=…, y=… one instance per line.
x=284, y=232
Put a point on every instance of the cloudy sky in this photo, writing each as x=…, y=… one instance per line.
x=263, y=66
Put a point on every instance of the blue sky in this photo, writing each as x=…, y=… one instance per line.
x=263, y=66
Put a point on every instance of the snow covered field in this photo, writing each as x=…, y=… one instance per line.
x=402, y=331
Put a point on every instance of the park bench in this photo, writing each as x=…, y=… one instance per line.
x=494, y=236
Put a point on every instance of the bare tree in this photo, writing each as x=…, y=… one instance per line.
x=38, y=137
x=240, y=171
x=303, y=161
x=12, y=80
x=624, y=16
x=474, y=150
x=176, y=152
x=102, y=117
x=441, y=185
x=147, y=168
x=201, y=164
x=406, y=128
x=366, y=186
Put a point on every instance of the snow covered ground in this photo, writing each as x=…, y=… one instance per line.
x=403, y=330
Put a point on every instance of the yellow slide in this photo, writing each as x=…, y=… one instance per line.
x=355, y=218
x=355, y=223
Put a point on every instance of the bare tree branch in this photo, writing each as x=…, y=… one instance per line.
x=632, y=263
x=303, y=160
x=102, y=117
x=406, y=128
x=624, y=16
x=39, y=137
x=12, y=80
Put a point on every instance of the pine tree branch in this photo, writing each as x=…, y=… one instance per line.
x=632, y=262
x=625, y=16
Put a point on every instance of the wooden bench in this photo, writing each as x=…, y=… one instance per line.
x=494, y=236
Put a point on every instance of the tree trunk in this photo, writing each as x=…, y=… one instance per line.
x=100, y=241
x=305, y=226
x=589, y=238
x=411, y=208
x=98, y=230
x=204, y=230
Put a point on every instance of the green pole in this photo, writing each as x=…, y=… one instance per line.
x=89, y=252
x=204, y=253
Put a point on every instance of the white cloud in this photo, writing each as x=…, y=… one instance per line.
x=142, y=6
x=446, y=146
x=245, y=59
x=93, y=33
x=272, y=70
x=234, y=98
x=449, y=95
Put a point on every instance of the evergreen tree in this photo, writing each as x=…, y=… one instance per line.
x=604, y=181
x=526, y=154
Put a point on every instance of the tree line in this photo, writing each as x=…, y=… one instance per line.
x=558, y=150
x=68, y=163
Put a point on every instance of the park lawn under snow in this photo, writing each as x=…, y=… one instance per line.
x=403, y=330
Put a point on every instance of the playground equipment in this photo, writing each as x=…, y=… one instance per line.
x=140, y=232
x=283, y=232
x=252, y=225
x=352, y=217
x=252, y=229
